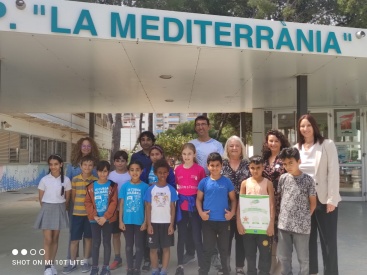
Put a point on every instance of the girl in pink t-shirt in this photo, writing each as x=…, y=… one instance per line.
x=188, y=175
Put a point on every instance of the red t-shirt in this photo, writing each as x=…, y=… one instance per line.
x=187, y=180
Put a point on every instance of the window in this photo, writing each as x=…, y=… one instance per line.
x=61, y=149
x=105, y=121
x=98, y=118
x=21, y=148
x=36, y=149
x=14, y=155
x=24, y=142
x=50, y=147
x=44, y=155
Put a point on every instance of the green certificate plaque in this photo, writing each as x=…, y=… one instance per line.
x=255, y=213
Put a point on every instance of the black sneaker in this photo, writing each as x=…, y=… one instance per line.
x=146, y=266
x=180, y=271
x=188, y=258
x=136, y=272
x=130, y=271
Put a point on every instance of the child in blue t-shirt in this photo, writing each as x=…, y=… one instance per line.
x=101, y=203
x=213, y=208
x=160, y=215
x=132, y=216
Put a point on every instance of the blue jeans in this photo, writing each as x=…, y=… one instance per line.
x=285, y=248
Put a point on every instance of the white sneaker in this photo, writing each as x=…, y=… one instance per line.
x=48, y=271
x=54, y=270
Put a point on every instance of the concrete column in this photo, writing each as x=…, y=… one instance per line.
x=258, y=130
x=92, y=123
x=301, y=95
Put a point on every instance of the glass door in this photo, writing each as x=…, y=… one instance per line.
x=286, y=123
x=348, y=137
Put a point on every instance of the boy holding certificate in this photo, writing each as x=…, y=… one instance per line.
x=298, y=201
x=257, y=185
x=215, y=211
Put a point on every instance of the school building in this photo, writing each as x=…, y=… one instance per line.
x=68, y=57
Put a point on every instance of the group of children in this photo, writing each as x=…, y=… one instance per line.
x=146, y=204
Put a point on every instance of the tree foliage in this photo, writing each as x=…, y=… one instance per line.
x=172, y=143
x=353, y=13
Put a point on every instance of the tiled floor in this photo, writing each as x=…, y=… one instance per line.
x=18, y=211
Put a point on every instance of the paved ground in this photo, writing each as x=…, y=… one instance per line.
x=18, y=211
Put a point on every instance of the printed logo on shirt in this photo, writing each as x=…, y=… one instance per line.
x=265, y=243
x=194, y=177
x=150, y=240
x=161, y=199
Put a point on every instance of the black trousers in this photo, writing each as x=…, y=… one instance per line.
x=239, y=246
x=134, y=238
x=215, y=232
x=106, y=232
x=263, y=243
x=195, y=233
x=326, y=224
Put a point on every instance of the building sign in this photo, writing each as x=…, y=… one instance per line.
x=124, y=23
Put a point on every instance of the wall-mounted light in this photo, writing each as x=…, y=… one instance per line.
x=5, y=124
x=165, y=76
x=20, y=4
x=360, y=34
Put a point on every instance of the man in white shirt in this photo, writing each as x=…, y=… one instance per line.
x=204, y=144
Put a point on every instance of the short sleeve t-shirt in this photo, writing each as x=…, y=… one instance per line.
x=160, y=199
x=203, y=149
x=187, y=180
x=79, y=185
x=294, y=213
x=52, y=187
x=152, y=178
x=216, y=196
x=133, y=196
x=120, y=179
x=101, y=197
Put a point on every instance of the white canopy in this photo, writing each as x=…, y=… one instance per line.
x=77, y=57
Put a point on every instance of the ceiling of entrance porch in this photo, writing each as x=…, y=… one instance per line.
x=53, y=74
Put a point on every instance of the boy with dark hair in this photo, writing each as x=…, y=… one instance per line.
x=298, y=201
x=257, y=185
x=146, y=140
x=160, y=208
x=120, y=175
x=212, y=205
x=80, y=226
x=101, y=204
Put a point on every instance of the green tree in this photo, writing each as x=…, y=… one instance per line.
x=172, y=143
x=353, y=13
x=229, y=124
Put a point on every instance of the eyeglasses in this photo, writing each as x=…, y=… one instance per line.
x=201, y=124
x=86, y=146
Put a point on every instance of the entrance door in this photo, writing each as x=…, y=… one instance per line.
x=348, y=135
x=346, y=127
x=286, y=123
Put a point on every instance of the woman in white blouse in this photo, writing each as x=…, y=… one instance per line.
x=319, y=159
